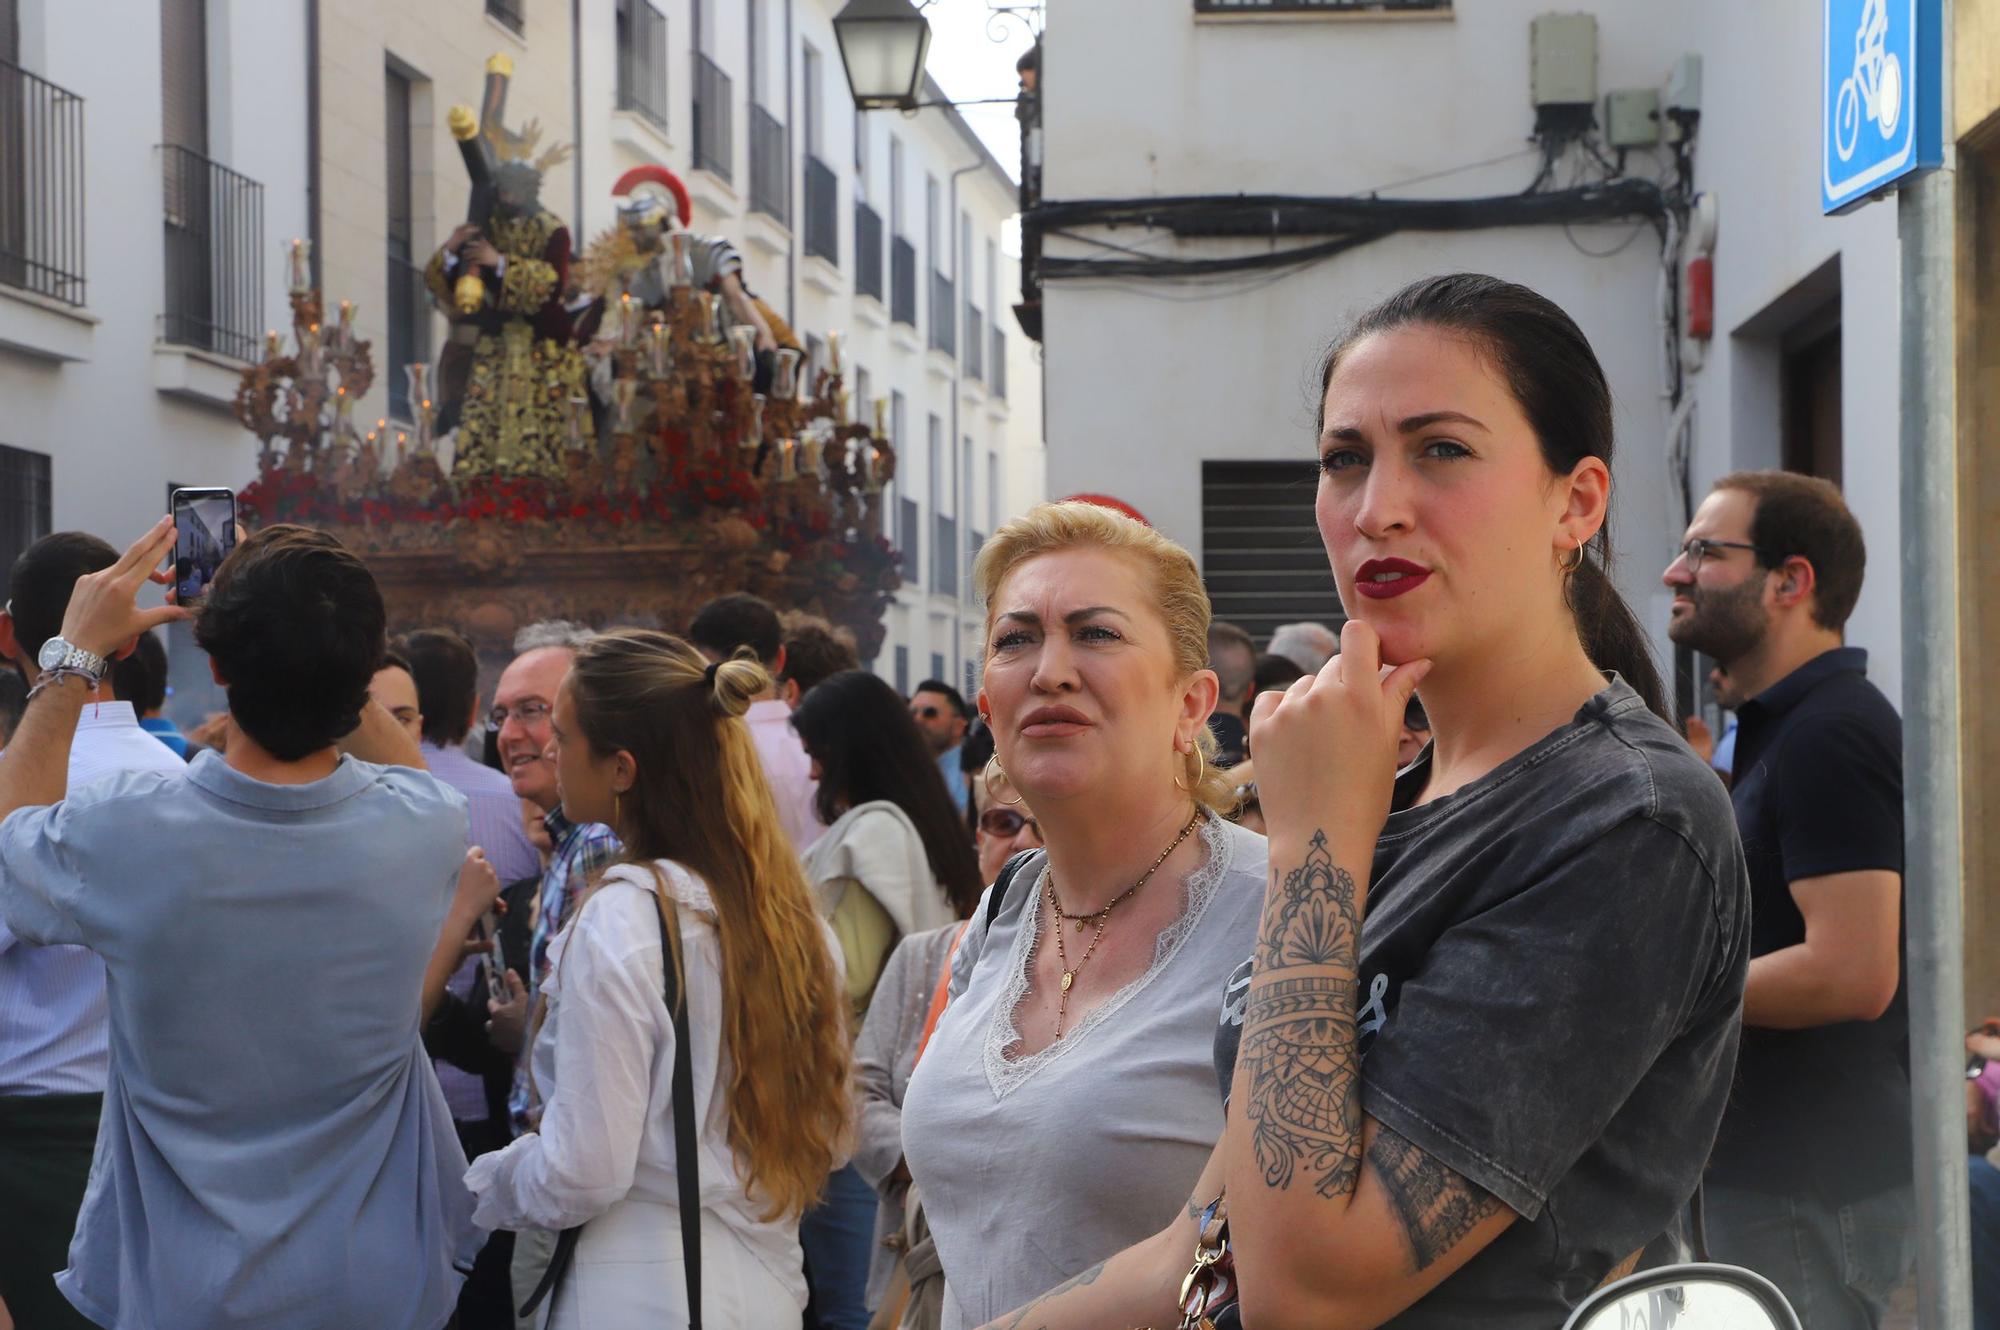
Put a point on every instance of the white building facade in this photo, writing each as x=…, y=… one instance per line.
x=1191, y=396
x=207, y=136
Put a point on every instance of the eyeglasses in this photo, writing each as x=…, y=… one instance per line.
x=924, y=713
x=1005, y=824
x=528, y=713
x=1698, y=548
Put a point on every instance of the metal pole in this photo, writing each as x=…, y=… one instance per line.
x=1933, y=871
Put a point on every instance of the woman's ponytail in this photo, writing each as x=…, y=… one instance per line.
x=1611, y=634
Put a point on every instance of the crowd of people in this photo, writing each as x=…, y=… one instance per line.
x=1427, y=974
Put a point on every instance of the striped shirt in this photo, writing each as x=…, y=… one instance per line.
x=579, y=852
x=52, y=1001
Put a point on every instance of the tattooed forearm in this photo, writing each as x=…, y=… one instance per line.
x=1437, y=1206
x=1020, y=1318
x=1298, y=1030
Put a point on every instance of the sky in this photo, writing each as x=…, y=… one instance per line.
x=967, y=63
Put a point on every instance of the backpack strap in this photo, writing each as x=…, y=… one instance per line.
x=686, y=1161
x=998, y=896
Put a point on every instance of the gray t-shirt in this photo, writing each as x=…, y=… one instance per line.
x=1034, y=1169
x=274, y=1149
x=1551, y=988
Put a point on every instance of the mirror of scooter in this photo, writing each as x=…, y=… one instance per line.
x=1687, y=1297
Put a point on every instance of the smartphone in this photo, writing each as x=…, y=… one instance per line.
x=204, y=533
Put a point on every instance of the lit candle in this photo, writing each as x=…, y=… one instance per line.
x=628, y=323
x=345, y=335
x=882, y=416
x=301, y=266
x=788, y=463
x=812, y=451
x=274, y=344
x=874, y=464
x=833, y=352
x=659, y=344
x=402, y=446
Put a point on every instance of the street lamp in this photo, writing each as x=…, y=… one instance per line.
x=882, y=45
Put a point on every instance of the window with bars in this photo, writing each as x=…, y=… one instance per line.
x=642, y=60
x=24, y=505
x=512, y=13
x=408, y=302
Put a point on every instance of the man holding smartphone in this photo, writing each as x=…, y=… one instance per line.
x=274, y=1149
x=54, y=1053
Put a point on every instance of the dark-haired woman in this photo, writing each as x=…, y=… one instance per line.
x=894, y=861
x=1480, y=1052
x=651, y=742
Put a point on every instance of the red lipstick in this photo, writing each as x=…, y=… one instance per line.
x=1385, y=579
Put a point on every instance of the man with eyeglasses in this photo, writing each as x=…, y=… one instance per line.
x=942, y=716
x=1810, y=1182
x=520, y=724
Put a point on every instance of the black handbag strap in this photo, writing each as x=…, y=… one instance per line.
x=997, y=897
x=687, y=1173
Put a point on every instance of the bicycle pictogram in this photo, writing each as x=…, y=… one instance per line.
x=1875, y=88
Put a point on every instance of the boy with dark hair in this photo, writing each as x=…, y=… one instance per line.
x=141, y=679
x=729, y=623
x=273, y=1148
x=814, y=650
x=446, y=670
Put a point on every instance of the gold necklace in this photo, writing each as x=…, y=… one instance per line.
x=1102, y=917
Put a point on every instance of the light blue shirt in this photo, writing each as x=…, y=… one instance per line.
x=274, y=1150
x=954, y=779
x=52, y=1006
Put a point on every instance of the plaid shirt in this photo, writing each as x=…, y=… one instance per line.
x=580, y=851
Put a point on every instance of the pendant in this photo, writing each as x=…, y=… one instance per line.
x=1069, y=977
x=1080, y=923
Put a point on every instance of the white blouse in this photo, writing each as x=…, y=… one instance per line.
x=603, y=1062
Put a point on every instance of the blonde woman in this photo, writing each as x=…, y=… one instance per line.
x=1067, y=1097
x=649, y=741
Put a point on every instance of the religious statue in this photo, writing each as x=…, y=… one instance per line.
x=510, y=366
x=638, y=257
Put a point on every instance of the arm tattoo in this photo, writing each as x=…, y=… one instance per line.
x=1084, y=1280
x=1437, y=1206
x=1298, y=1030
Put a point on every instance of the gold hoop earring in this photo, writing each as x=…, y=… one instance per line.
x=993, y=766
x=1573, y=564
x=1200, y=770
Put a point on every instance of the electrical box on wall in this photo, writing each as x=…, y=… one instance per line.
x=1632, y=118
x=1562, y=63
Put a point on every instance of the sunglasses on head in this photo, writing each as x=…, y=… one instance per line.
x=1005, y=823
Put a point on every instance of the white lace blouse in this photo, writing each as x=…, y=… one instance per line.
x=1035, y=1168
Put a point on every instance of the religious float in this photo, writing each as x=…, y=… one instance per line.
x=614, y=439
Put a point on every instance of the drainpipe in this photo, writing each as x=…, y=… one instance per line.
x=312, y=140
x=959, y=483
x=578, y=230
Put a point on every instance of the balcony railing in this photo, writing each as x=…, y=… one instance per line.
x=944, y=555
x=1309, y=6
x=215, y=252
x=41, y=186
x=868, y=251
x=770, y=166
x=409, y=330
x=714, y=130
x=944, y=315
x=509, y=12
x=642, y=60
x=903, y=281
x=975, y=344
x=823, y=212
x=996, y=378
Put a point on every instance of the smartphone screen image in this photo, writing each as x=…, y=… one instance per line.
x=204, y=533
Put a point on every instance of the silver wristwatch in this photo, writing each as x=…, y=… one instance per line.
x=57, y=654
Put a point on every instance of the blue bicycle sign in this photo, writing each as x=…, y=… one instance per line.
x=1880, y=96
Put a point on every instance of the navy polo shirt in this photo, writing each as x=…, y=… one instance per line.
x=1818, y=790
